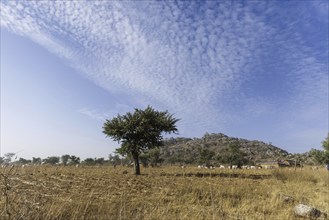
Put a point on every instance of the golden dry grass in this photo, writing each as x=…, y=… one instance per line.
x=159, y=193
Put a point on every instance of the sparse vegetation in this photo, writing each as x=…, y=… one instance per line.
x=95, y=190
x=217, y=148
x=89, y=192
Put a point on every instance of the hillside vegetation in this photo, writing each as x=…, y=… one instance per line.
x=187, y=150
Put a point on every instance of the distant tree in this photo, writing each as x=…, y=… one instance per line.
x=205, y=137
x=326, y=157
x=234, y=156
x=205, y=155
x=24, y=161
x=154, y=157
x=36, y=160
x=89, y=161
x=299, y=159
x=8, y=157
x=65, y=159
x=325, y=143
x=99, y=161
x=125, y=160
x=114, y=159
x=74, y=160
x=2, y=160
x=139, y=131
x=173, y=159
x=318, y=156
x=144, y=159
x=51, y=160
x=321, y=156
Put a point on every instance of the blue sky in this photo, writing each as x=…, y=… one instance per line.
x=251, y=69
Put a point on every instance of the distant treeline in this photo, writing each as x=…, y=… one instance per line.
x=210, y=150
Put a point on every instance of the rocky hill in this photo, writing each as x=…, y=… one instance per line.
x=186, y=150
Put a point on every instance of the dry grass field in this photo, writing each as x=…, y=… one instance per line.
x=159, y=193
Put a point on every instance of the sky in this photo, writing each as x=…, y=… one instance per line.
x=250, y=69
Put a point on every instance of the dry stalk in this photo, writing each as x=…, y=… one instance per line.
x=6, y=190
x=88, y=204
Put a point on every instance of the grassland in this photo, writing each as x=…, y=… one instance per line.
x=159, y=193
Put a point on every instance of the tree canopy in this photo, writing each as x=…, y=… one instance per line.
x=234, y=155
x=325, y=143
x=51, y=160
x=205, y=155
x=140, y=131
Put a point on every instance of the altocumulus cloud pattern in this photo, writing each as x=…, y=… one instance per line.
x=210, y=62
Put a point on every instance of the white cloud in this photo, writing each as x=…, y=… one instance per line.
x=93, y=114
x=193, y=59
x=102, y=116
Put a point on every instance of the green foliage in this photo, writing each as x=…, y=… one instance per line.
x=74, y=160
x=234, y=156
x=51, y=160
x=139, y=131
x=205, y=155
x=144, y=159
x=36, y=160
x=89, y=161
x=319, y=156
x=23, y=161
x=174, y=159
x=326, y=157
x=99, y=161
x=94, y=161
x=8, y=157
x=114, y=159
x=65, y=158
x=325, y=143
x=186, y=150
x=154, y=156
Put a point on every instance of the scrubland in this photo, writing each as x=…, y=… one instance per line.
x=105, y=192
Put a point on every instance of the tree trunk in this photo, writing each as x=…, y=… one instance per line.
x=136, y=164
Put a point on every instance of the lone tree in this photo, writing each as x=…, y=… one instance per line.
x=139, y=131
